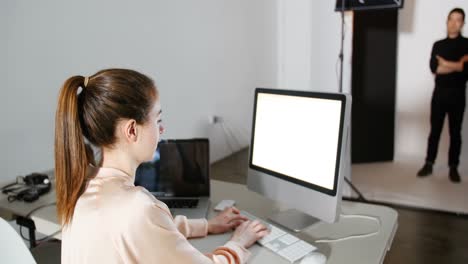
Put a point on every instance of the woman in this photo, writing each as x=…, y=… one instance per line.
x=105, y=218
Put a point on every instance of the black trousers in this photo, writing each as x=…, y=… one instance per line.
x=451, y=102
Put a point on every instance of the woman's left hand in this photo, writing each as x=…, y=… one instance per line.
x=225, y=221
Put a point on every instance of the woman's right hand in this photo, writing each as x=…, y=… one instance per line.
x=249, y=232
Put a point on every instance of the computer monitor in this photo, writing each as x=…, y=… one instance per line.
x=298, y=153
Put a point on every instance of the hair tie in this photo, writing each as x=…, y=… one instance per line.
x=86, y=79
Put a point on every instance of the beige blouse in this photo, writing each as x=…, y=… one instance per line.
x=116, y=222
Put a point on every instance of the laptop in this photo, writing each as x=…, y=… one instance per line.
x=179, y=175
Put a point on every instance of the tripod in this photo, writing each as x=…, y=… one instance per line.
x=341, y=57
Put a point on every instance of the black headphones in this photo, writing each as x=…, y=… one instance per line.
x=28, y=188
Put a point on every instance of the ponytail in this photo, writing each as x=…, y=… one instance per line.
x=71, y=157
x=92, y=114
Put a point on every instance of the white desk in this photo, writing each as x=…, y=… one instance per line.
x=361, y=250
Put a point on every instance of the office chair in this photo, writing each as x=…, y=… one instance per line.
x=16, y=250
x=12, y=246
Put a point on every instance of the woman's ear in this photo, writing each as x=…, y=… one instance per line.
x=130, y=130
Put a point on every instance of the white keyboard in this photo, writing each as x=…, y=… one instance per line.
x=281, y=242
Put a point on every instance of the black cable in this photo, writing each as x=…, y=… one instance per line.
x=28, y=215
x=341, y=57
x=356, y=190
x=12, y=187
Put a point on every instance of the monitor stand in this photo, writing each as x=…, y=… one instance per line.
x=293, y=220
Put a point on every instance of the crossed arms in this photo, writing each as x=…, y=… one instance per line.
x=445, y=66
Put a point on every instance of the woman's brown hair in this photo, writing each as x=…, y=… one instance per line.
x=88, y=109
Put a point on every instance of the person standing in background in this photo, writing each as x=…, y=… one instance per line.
x=449, y=63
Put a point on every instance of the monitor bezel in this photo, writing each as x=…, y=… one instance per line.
x=309, y=94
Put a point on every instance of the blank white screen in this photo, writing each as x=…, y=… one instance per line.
x=298, y=137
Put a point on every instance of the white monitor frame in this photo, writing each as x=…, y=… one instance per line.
x=316, y=201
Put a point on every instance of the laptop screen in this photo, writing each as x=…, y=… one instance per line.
x=180, y=168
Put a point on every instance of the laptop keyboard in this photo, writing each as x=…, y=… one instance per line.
x=282, y=243
x=181, y=203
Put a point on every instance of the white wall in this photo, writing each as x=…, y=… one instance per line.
x=294, y=44
x=206, y=57
x=421, y=23
x=309, y=39
x=326, y=42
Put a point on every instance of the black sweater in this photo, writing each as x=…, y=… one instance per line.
x=451, y=50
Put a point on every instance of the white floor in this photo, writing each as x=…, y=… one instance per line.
x=396, y=182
